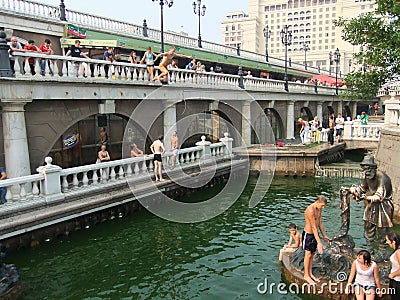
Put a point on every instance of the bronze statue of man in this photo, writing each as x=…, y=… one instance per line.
x=376, y=191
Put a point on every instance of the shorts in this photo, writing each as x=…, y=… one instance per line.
x=365, y=287
x=339, y=131
x=157, y=157
x=175, y=152
x=309, y=242
x=163, y=69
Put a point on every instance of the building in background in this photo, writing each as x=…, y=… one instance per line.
x=310, y=21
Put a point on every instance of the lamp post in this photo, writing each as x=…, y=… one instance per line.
x=337, y=61
x=286, y=37
x=267, y=34
x=305, y=49
x=330, y=62
x=169, y=3
x=62, y=11
x=200, y=11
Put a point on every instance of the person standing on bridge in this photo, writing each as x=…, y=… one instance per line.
x=76, y=51
x=339, y=127
x=46, y=49
x=31, y=47
x=15, y=46
x=158, y=150
x=167, y=59
x=149, y=57
x=3, y=190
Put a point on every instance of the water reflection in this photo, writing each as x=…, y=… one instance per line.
x=145, y=257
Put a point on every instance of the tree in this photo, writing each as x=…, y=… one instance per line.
x=378, y=35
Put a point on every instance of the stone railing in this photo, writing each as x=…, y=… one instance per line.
x=62, y=67
x=391, y=98
x=339, y=171
x=354, y=131
x=53, y=183
x=39, y=10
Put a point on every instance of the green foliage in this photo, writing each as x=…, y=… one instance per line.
x=378, y=35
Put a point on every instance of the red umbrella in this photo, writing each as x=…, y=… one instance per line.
x=325, y=78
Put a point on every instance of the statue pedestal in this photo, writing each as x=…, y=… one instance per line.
x=332, y=267
x=10, y=282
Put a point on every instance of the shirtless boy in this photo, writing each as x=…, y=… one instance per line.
x=167, y=59
x=158, y=149
x=174, y=145
x=310, y=237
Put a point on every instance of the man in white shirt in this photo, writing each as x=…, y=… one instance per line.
x=339, y=127
x=15, y=46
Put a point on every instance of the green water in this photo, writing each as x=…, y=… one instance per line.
x=144, y=257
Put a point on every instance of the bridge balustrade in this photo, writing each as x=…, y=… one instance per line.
x=38, y=187
x=354, y=131
x=61, y=67
x=91, y=21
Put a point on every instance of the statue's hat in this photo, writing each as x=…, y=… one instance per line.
x=369, y=161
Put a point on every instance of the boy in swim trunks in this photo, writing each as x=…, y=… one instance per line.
x=174, y=145
x=310, y=237
x=294, y=241
x=158, y=149
x=167, y=59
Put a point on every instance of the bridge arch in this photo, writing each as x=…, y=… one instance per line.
x=79, y=143
x=261, y=136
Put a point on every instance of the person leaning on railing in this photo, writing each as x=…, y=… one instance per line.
x=76, y=51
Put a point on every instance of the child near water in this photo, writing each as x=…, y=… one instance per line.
x=294, y=241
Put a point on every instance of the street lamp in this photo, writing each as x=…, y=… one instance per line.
x=200, y=11
x=169, y=3
x=267, y=34
x=337, y=61
x=62, y=11
x=330, y=62
x=286, y=37
x=305, y=49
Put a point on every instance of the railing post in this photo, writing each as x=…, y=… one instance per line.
x=145, y=34
x=348, y=130
x=240, y=73
x=316, y=87
x=206, y=150
x=5, y=67
x=51, y=185
x=227, y=141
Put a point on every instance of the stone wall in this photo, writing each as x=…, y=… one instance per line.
x=388, y=160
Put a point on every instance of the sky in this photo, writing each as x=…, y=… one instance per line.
x=179, y=17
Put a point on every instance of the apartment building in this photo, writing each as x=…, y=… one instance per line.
x=311, y=23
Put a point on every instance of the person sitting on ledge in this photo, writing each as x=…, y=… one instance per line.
x=294, y=241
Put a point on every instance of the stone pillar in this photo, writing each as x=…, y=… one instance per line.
x=348, y=130
x=50, y=186
x=340, y=108
x=290, y=120
x=169, y=121
x=206, y=150
x=354, y=110
x=319, y=111
x=246, y=123
x=15, y=139
x=228, y=144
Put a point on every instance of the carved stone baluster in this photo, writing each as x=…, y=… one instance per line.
x=128, y=170
x=95, y=178
x=22, y=191
x=65, y=184
x=75, y=181
x=121, y=172
x=112, y=174
x=144, y=167
x=35, y=189
x=85, y=179
x=136, y=168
